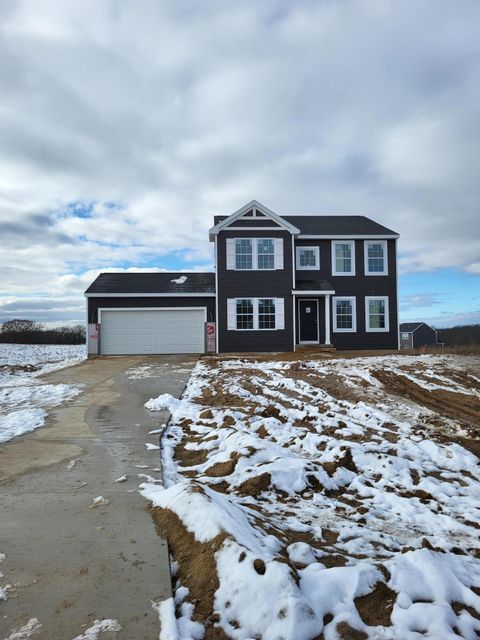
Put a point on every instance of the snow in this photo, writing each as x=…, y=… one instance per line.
x=366, y=481
x=168, y=622
x=23, y=397
x=180, y=280
x=99, y=501
x=98, y=627
x=27, y=631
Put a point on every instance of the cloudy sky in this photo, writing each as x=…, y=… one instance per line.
x=125, y=125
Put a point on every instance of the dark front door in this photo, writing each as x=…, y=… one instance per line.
x=308, y=318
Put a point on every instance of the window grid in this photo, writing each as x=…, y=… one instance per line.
x=344, y=311
x=343, y=257
x=266, y=313
x=243, y=253
x=375, y=257
x=244, y=313
x=376, y=314
x=266, y=254
x=307, y=258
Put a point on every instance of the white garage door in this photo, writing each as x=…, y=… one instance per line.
x=152, y=331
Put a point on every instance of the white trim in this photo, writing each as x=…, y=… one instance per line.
x=114, y=309
x=367, y=315
x=300, y=341
x=150, y=295
x=299, y=292
x=216, y=298
x=385, y=258
x=316, y=250
x=328, y=337
x=352, y=251
x=253, y=204
x=335, y=299
x=255, y=312
x=350, y=236
x=242, y=229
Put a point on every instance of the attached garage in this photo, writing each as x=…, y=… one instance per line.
x=149, y=313
x=137, y=331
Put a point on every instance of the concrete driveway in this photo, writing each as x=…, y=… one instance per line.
x=70, y=563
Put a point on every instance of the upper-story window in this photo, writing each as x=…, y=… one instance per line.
x=308, y=258
x=266, y=254
x=343, y=258
x=243, y=253
x=247, y=254
x=376, y=258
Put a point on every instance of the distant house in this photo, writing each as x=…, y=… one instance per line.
x=417, y=334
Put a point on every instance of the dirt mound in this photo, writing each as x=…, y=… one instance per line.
x=375, y=609
x=220, y=469
x=457, y=406
x=196, y=567
x=346, y=461
x=254, y=486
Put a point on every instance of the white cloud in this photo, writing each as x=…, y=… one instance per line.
x=175, y=111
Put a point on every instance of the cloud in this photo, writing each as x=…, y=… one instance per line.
x=419, y=300
x=126, y=127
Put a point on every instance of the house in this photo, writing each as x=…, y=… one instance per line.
x=417, y=334
x=280, y=281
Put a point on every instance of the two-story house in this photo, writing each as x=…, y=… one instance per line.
x=279, y=282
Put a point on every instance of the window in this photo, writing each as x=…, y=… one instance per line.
x=308, y=258
x=247, y=254
x=266, y=254
x=405, y=336
x=244, y=314
x=344, y=314
x=376, y=313
x=266, y=313
x=255, y=314
x=376, y=258
x=343, y=258
x=243, y=253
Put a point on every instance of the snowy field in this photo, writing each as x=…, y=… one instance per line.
x=332, y=498
x=24, y=399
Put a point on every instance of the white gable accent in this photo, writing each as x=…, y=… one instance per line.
x=257, y=207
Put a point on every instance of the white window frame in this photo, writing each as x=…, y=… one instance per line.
x=369, y=329
x=279, y=307
x=404, y=335
x=334, y=262
x=316, y=251
x=254, y=242
x=351, y=299
x=385, y=257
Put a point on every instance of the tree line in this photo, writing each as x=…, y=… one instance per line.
x=468, y=334
x=29, y=332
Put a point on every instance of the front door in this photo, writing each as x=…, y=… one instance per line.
x=308, y=317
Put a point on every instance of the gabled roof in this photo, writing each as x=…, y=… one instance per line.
x=253, y=204
x=152, y=283
x=326, y=226
x=410, y=327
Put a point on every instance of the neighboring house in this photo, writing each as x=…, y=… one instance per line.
x=417, y=334
x=280, y=282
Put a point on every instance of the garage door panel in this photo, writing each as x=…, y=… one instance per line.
x=152, y=331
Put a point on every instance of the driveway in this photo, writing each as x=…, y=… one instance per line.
x=68, y=562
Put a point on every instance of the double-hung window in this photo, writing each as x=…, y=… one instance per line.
x=244, y=313
x=243, y=253
x=343, y=258
x=265, y=254
x=252, y=314
x=308, y=258
x=247, y=254
x=344, y=314
x=376, y=258
x=376, y=313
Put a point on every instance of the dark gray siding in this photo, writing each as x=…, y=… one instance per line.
x=424, y=336
x=359, y=286
x=255, y=284
x=128, y=303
